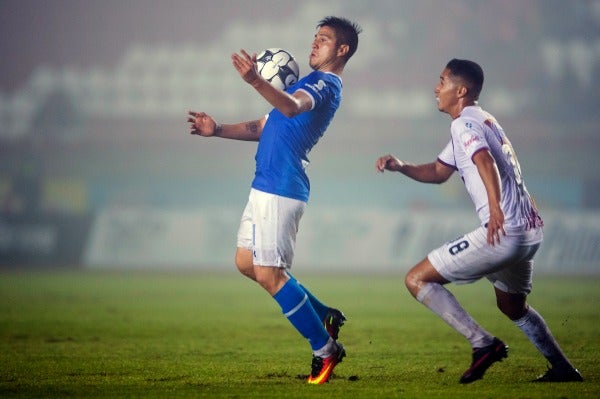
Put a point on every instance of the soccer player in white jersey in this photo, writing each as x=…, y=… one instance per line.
x=502, y=248
x=280, y=189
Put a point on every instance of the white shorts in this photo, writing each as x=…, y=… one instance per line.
x=508, y=264
x=268, y=227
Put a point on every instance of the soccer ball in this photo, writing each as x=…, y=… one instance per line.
x=278, y=67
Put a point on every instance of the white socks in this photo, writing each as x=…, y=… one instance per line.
x=535, y=328
x=444, y=304
x=326, y=350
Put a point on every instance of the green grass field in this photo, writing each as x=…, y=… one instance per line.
x=199, y=334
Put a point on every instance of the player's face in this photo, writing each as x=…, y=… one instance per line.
x=324, y=49
x=446, y=93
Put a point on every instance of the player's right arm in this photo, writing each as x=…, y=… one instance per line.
x=288, y=104
x=202, y=124
x=433, y=172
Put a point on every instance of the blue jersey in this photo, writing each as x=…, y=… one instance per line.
x=284, y=144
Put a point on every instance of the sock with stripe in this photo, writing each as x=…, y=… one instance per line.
x=317, y=305
x=296, y=306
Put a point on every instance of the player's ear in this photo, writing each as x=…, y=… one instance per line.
x=462, y=91
x=343, y=50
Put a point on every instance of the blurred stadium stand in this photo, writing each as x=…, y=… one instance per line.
x=78, y=142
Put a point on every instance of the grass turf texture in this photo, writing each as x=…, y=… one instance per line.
x=195, y=334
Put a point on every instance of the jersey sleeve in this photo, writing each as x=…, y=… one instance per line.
x=447, y=156
x=320, y=87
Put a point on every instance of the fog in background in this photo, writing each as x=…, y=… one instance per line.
x=94, y=97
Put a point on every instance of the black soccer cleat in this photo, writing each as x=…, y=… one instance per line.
x=556, y=375
x=333, y=322
x=483, y=358
x=322, y=368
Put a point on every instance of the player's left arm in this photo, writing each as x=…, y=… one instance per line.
x=488, y=170
x=204, y=125
x=288, y=104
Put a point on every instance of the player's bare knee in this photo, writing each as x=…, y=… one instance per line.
x=248, y=272
x=513, y=314
x=513, y=309
x=408, y=281
x=412, y=282
x=270, y=278
x=238, y=261
x=244, y=264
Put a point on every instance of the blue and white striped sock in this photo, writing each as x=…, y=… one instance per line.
x=296, y=306
x=317, y=305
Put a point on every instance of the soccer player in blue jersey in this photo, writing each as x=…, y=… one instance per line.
x=280, y=189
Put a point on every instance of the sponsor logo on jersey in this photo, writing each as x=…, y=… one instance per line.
x=320, y=85
x=469, y=139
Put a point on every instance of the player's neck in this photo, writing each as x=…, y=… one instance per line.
x=333, y=67
x=458, y=109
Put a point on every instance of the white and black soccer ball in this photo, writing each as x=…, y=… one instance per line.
x=278, y=67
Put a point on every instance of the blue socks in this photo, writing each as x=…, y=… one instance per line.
x=296, y=306
x=316, y=304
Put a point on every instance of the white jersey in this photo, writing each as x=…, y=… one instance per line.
x=476, y=130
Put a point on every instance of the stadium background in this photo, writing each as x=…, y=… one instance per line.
x=97, y=168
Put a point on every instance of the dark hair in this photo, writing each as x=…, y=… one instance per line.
x=346, y=32
x=470, y=73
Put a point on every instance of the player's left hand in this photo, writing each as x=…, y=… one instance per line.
x=495, y=226
x=246, y=66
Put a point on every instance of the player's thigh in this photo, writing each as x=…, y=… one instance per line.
x=276, y=223
x=268, y=228
x=470, y=257
x=245, y=234
x=517, y=275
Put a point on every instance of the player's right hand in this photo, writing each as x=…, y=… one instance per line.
x=245, y=64
x=387, y=162
x=202, y=124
